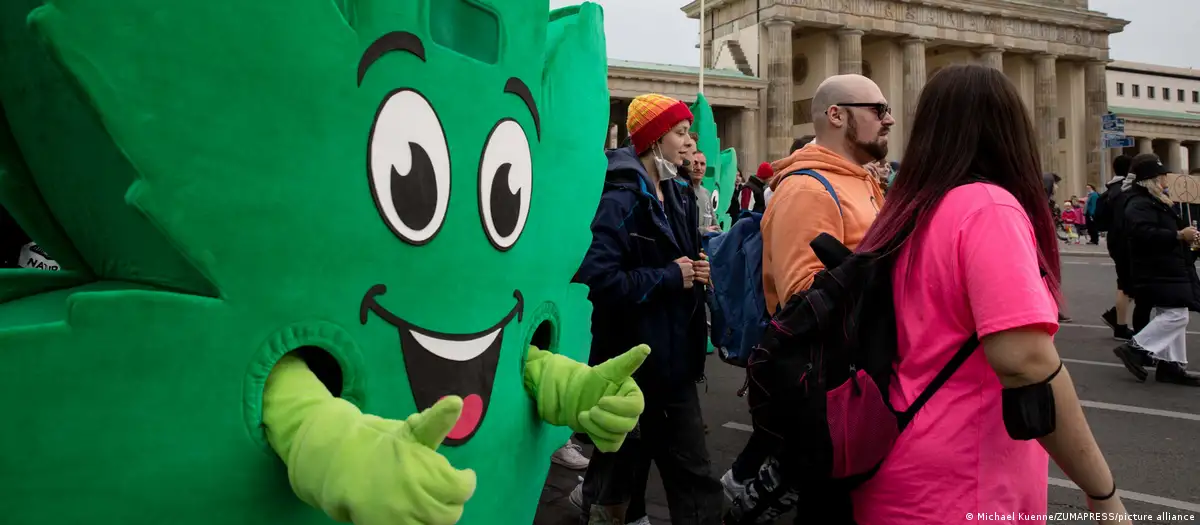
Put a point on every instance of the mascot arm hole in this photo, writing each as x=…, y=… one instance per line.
x=324, y=366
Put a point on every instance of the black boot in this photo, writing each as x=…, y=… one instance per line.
x=1122, y=333
x=1110, y=318
x=1175, y=373
x=1148, y=359
x=1129, y=356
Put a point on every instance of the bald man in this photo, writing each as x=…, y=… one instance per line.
x=852, y=120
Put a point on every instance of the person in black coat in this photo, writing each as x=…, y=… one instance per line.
x=1118, y=250
x=1162, y=272
x=646, y=281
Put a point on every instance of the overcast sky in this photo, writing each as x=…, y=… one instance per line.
x=1160, y=31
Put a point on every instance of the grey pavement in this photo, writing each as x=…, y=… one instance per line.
x=1149, y=432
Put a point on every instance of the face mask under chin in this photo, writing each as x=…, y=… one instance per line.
x=666, y=170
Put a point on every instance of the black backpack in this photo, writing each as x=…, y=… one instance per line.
x=818, y=384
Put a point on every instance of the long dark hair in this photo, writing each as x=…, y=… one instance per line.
x=970, y=125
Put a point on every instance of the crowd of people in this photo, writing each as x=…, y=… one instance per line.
x=977, y=254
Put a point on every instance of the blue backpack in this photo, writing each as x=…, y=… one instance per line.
x=737, y=302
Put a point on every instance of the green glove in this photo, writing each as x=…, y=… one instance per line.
x=603, y=401
x=360, y=468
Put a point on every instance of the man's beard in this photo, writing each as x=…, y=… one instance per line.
x=876, y=150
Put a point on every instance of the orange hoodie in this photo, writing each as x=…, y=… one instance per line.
x=801, y=208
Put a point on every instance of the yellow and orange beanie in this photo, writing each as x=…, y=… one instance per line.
x=652, y=116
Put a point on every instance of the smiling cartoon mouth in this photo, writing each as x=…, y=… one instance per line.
x=441, y=364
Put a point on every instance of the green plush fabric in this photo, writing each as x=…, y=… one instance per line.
x=719, y=178
x=62, y=177
x=726, y=183
x=333, y=191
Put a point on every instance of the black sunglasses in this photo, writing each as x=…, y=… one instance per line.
x=881, y=109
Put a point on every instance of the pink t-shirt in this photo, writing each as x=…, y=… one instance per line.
x=972, y=269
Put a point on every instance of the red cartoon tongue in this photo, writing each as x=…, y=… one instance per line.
x=472, y=412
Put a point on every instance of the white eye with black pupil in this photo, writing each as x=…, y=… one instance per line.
x=505, y=183
x=409, y=167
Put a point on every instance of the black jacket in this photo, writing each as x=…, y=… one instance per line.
x=1162, y=268
x=1116, y=199
x=634, y=284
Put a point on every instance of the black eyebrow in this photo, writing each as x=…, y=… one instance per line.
x=518, y=88
x=394, y=41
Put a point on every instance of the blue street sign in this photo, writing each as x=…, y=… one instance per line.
x=1108, y=117
x=1126, y=142
x=1114, y=125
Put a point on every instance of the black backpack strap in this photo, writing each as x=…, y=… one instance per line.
x=959, y=358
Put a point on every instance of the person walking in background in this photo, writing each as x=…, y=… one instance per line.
x=1110, y=218
x=1070, y=219
x=708, y=219
x=646, y=281
x=1093, y=198
x=977, y=255
x=852, y=120
x=1081, y=218
x=752, y=195
x=1162, y=256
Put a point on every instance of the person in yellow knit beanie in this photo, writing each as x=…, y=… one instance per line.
x=646, y=283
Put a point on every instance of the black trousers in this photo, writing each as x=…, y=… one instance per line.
x=1141, y=315
x=758, y=448
x=1093, y=233
x=671, y=434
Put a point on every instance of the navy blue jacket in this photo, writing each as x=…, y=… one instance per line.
x=634, y=284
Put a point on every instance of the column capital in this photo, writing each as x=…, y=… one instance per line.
x=778, y=22
x=992, y=49
x=1045, y=56
x=914, y=40
x=848, y=31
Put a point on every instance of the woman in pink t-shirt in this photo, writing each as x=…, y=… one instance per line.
x=980, y=257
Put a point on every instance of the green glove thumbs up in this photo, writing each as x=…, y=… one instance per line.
x=358, y=467
x=603, y=401
x=622, y=367
x=431, y=427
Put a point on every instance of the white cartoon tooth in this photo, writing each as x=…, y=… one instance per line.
x=456, y=350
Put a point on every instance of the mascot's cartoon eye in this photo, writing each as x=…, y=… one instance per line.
x=716, y=199
x=505, y=183
x=409, y=165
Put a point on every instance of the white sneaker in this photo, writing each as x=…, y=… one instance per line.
x=576, y=496
x=570, y=456
x=733, y=489
x=644, y=521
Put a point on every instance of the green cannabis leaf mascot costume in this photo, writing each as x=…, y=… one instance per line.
x=316, y=259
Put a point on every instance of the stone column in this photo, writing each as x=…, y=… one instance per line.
x=1045, y=98
x=914, y=80
x=1173, y=160
x=779, y=87
x=1144, y=145
x=1193, y=155
x=850, y=52
x=1096, y=100
x=748, y=156
x=992, y=57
